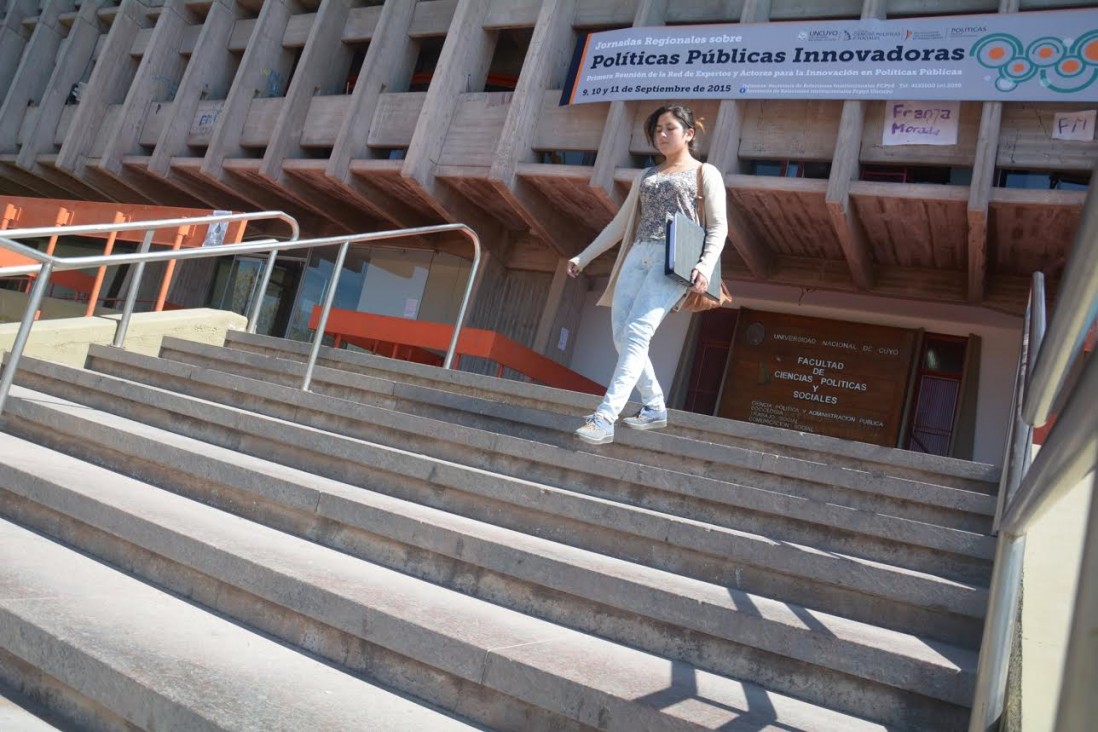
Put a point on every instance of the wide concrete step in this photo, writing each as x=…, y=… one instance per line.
x=482, y=654
x=110, y=652
x=571, y=585
x=841, y=583
x=964, y=474
x=819, y=521
x=867, y=486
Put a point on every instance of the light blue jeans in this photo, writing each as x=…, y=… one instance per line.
x=643, y=296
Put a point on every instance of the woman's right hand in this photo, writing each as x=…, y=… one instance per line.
x=573, y=268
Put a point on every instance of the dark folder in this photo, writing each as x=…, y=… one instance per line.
x=685, y=242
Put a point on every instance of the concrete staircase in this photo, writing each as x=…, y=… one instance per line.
x=196, y=543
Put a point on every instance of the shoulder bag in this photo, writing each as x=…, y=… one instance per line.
x=696, y=302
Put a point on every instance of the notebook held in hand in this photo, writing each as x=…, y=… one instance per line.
x=685, y=242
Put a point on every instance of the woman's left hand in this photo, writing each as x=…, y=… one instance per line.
x=701, y=282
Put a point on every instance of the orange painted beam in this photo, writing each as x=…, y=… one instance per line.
x=35, y=212
x=355, y=326
x=7, y=220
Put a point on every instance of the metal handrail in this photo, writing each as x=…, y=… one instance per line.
x=1078, y=296
x=1019, y=445
x=1067, y=455
x=49, y=264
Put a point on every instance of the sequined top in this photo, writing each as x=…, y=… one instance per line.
x=662, y=195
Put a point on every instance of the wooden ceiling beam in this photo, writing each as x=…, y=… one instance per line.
x=724, y=153
x=1006, y=293
x=387, y=67
x=983, y=174
x=845, y=168
x=27, y=85
x=209, y=72
x=466, y=53
x=618, y=129
x=545, y=66
x=73, y=56
x=110, y=81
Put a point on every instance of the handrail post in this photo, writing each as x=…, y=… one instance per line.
x=1078, y=703
x=1006, y=579
x=1017, y=454
x=996, y=644
x=1077, y=296
x=131, y=296
x=322, y=323
x=38, y=291
x=260, y=291
x=446, y=364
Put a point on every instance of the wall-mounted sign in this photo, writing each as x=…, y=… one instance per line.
x=1033, y=56
x=1074, y=126
x=822, y=376
x=215, y=233
x=920, y=123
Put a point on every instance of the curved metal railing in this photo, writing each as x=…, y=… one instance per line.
x=47, y=264
x=1028, y=490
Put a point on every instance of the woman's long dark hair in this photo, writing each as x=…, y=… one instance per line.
x=684, y=115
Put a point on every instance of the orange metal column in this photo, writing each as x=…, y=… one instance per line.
x=64, y=218
x=11, y=213
x=93, y=296
x=169, y=270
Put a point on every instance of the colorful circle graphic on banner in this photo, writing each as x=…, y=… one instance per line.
x=997, y=50
x=1061, y=69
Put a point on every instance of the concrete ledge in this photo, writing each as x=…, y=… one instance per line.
x=67, y=340
x=13, y=305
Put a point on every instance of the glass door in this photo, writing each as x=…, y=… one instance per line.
x=235, y=283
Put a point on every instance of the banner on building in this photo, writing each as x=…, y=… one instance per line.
x=1034, y=56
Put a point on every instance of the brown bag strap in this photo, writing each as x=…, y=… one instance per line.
x=699, y=199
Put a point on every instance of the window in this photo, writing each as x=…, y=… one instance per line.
x=507, y=59
x=937, y=394
x=916, y=174
x=792, y=168
x=426, y=62
x=567, y=157
x=1043, y=180
x=358, y=56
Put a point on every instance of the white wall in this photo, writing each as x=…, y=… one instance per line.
x=1050, y=577
x=594, y=356
x=394, y=283
x=1000, y=336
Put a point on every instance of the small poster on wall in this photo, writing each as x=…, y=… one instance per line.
x=1074, y=126
x=921, y=123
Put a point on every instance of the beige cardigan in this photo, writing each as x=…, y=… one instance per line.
x=623, y=225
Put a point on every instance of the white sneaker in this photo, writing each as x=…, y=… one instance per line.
x=596, y=430
x=647, y=419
